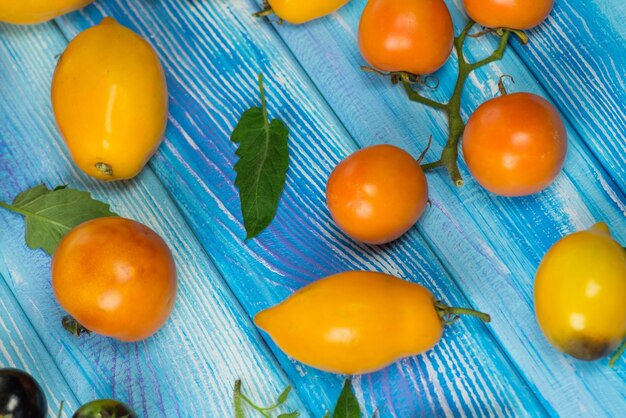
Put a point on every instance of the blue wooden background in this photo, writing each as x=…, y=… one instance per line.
x=470, y=248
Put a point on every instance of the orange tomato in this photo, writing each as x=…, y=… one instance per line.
x=377, y=194
x=515, y=145
x=415, y=36
x=514, y=14
x=116, y=277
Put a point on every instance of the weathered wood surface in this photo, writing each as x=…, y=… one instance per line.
x=471, y=248
x=188, y=369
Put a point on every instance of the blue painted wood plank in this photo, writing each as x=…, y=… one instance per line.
x=579, y=58
x=189, y=367
x=21, y=348
x=212, y=58
x=492, y=245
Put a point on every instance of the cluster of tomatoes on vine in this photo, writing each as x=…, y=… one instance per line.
x=513, y=145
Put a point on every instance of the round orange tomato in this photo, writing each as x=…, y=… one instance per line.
x=116, y=277
x=513, y=14
x=515, y=145
x=415, y=36
x=377, y=194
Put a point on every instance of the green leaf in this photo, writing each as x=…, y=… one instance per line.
x=327, y=415
x=347, y=404
x=283, y=396
x=294, y=414
x=50, y=214
x=262, y=167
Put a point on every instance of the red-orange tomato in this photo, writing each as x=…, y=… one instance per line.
x=514, y=14
x=377, y=194
x=116, y=277
x=515, y=145
x=415, y=36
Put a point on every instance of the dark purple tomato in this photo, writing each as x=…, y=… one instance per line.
x=21, y=396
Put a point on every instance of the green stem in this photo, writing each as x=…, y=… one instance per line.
x=450, y=314
x=263, y=102
x=618, y=354
x=416, y=97
x=60, y=409
x=456, y=125
x=14, y=209
x=237, y=401
x=267, y=11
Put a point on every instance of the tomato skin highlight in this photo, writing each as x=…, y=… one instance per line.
x=414, y=36
x=109, y=97
x=301, y=11
x=377, y=194
x=580, y=294
x=513, y=14
x=26, y=12
x=116, y=277
x=515, y=145
x=354, y=322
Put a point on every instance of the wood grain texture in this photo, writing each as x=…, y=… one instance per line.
x=491, y=245
x=466, y=374
x=579, y=58
x=189, y=367
x=21, y=348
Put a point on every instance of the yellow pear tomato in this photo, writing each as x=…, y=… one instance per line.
x=358, y=322
x=300, y=11
x=580, y=294
x=26, y=12
x=109, y=97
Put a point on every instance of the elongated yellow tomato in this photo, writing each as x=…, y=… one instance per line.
x=25, y=12
x=357, y=322
x=110, y=101
x=300, y=11
x=580, y=294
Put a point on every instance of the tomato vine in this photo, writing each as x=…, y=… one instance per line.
x=452, y=108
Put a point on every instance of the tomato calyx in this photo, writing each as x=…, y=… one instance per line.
x=74, y=327
x=428, y=81
x=523, y=38
x=449, y=315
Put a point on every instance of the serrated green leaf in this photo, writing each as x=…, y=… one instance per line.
x=50, y=214
x=347, y=404
x=262, y=167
